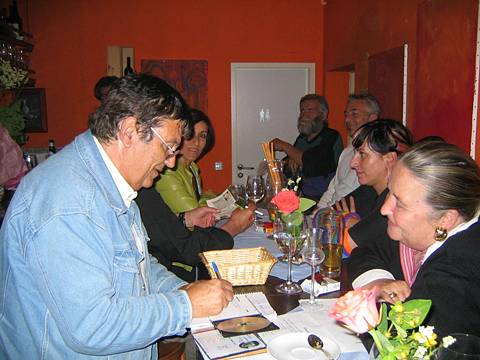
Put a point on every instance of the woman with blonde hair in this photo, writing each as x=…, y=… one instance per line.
x=432, y=209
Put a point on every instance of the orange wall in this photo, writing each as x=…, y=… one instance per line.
x=71, y=38
x=354, y=30
x=445, y=73
x=441, y=35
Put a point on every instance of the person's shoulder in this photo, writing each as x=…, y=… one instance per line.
x=332, y=132
x=466, y=240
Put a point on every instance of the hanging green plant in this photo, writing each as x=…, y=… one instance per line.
x=11, y=77
x=11, y=117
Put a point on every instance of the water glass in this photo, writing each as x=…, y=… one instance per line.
x=332, y=241
x=239, y=194
x=30, y=160
x=313, y=255
x=255, y=190
x=289, y=238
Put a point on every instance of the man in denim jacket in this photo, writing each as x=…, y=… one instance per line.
x=76, y=279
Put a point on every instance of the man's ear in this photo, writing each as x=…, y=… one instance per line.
x=128, y=131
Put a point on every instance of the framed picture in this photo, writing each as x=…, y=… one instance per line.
x=34, y=107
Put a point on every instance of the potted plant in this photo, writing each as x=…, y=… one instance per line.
x=12, y=79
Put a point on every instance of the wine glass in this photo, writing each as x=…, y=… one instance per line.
x=290, y=239
x=239, y=194
x=313, y=255
x=255, y=190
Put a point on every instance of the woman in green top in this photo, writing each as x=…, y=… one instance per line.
x=181, y=187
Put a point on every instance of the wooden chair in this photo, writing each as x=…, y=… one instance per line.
x=171, y=350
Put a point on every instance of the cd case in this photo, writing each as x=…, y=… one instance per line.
x=244, y=325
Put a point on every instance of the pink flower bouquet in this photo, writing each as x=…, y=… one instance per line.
x=357, y=310
x=394, y=331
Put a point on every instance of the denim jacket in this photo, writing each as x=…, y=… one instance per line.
x=69, y=274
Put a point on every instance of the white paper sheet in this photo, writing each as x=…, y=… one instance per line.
x=319, y=322
x=216, y=346
x=241, y=305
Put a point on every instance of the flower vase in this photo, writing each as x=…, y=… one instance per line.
x=290, y=238
x=295, y=230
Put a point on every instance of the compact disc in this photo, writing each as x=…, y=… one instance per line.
x=243, y=324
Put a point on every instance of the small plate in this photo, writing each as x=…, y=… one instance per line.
x=294, y=346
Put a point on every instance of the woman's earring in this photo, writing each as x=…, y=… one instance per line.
x=440, y=233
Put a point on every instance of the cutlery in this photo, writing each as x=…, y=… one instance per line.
x=315, y=342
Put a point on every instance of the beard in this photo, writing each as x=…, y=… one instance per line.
x=308, y=127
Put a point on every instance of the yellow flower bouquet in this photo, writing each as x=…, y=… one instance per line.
x=397, y=331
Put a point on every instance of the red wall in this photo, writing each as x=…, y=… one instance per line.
x=445, y=74
x=71, y=39
x=354, y=30
x=441, y=35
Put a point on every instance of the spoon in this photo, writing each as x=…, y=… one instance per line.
x=315, y=342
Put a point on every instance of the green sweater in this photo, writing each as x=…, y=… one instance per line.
x=176, y=188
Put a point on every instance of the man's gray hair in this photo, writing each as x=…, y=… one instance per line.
x=323, y=104
x=369, y=99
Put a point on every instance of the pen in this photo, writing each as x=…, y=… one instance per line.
x=215, y=269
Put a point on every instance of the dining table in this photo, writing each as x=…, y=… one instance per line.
x=288, y=307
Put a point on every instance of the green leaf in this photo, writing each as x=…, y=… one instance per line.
x=383, y=325
x=11, y=117
x=385, y=344
x=415, y=312
x=400, y=329
x=305, y=204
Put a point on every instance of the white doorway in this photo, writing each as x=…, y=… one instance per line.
x=264, y=106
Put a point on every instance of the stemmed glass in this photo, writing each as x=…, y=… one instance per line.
x=255, y=190
x=239, y=194
x=290, y=239
x=313, y=255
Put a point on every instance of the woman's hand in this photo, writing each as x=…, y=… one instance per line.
x=349, y=212
x=390, y=290
x=203, y=216
x=343, y=207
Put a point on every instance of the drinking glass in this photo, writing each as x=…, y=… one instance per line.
x=255, y=190
x=239, y=194
x=313, y=255
x=332, y=241
x=30, y=160
x=465, y=347
x=290, y=239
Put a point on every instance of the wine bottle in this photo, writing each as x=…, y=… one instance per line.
x=14, y=18
x=51, y=147
x=128, y=69
x=3, y=16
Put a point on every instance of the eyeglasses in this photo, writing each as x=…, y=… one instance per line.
x=171, y=152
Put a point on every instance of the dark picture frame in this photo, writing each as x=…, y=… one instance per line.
x=34, y=107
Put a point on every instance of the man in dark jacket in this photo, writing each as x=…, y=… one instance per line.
x=316, y=149
x=175, y=245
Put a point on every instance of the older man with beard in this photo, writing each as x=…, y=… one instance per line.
x=317, y=148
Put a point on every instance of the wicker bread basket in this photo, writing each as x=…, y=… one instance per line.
x=240, y=266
